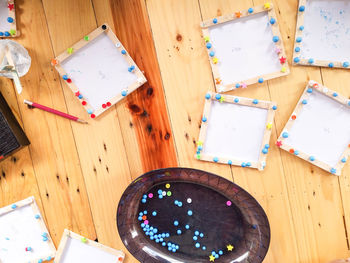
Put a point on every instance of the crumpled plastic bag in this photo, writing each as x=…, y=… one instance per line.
x=19, y=55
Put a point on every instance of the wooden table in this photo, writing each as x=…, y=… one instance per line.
x=77, y=173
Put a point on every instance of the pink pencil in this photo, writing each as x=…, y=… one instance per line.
x=59, y=113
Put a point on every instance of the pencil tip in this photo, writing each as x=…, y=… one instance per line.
x=82, y=121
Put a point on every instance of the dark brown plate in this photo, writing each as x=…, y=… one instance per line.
x=243, y=224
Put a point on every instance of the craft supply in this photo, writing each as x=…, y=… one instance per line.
x=241, y=57
x=23, y=232
x=237, y=131
x=76, y=248
x=323, y=37
x=8, y=19
x=183, y=243
x=98, y=60
x=319, y=129
x=56, y=112
x=12, y=137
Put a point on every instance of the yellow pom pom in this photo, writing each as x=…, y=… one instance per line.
x=167, y=186
x=283, y=69
x=267, y=5
x=83, y=239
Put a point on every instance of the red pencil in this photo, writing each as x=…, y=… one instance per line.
x=59, y=113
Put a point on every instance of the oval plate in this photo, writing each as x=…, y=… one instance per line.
x=230, y=221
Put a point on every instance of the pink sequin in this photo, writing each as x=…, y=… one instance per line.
x=146, y=222
x=228, y=203
x=150, y=195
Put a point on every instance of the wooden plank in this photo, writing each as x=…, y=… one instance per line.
x=269, y=187
x=177, y=36
x=100, y=143
x=17, y=176
x=55, y=159
x=145, y=124
x=314, y=194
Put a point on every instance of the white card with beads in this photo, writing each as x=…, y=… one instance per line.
x=23, y=235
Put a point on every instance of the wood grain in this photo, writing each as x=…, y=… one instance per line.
x=78, y=172
x=146, y=128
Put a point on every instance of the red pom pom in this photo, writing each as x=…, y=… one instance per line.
x=109, y=104
x=92, y=116
x=69, y=80
x=104, y=106
x=83, y=102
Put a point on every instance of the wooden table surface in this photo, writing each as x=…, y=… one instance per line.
x=77, y=172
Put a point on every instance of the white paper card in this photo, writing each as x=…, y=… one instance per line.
x=322, y=129
x=20, y=229
x=327, y=30
x=99, y=71
x=235, y=131
x=4, y=13
x=244, y=48
x=77, y=251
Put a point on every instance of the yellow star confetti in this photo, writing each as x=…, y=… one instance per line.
x=215, y=60
x=269, y=126
x=199, y=143
x=283, y=69
x=206, y=39
x=12, y=32
x=230, y=247
x=70, y=50
x=222, y=99
x=211, y=258
x=267, y=5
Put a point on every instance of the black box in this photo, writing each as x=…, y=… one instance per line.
x=12, y=137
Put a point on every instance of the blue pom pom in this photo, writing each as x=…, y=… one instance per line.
x=272, y=21
x=212, y=53
x=260, y=80
x=302, y=8
x=250, y=10
x=349, y=103
x=187, y=226
x=189, y=212
x=296, y=152
x=297, y=49
x=195, y=238
x=346, y=64
x=65, y=77
x=311, y=61
x=249, y=164
x=124, y=92
x=304, y=102
x=236, y=100
x=275, y=39
x=14, y=206
x=90, y=111
x=204, y=119
x=243, y=164
x=309, y=90
x=296, y=60
x=238, y=85
x=301, y=28
x=229, y=162
x=274, y=107
x=335, y=94
x=299, y=39
x=333, y=170
x=343, y=160
x=1, y=34
x=123, y=52
x=215, y=20
x=267, y=146
x=208, y=45
x=265, y=151
x=179, y=232
x=10, y=19
x=207, y=96
x=204, y=247
x=176, y=223
x=285, y=135
x=312, y=158
x=331, y=65
x=7, y=34
x=217, y=96
x=216, y=159
x=80, y=96
x=255, y=101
